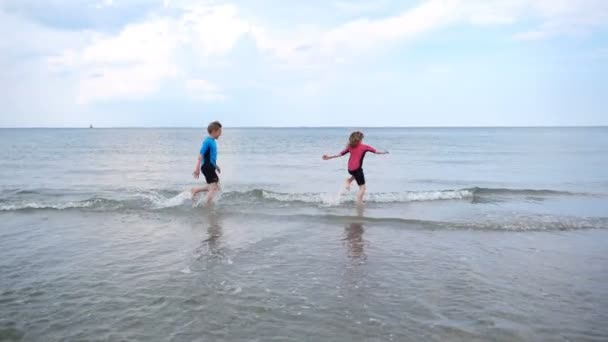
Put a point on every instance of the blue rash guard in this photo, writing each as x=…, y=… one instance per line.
x=209, y=152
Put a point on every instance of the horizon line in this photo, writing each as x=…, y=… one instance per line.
x=302, y=127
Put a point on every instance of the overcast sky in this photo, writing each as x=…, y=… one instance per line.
x=303, y=63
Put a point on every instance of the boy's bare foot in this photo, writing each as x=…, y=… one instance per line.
x=209, y=203
x=192, y=194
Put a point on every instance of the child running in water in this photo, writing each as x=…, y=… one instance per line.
x=357, y=151
x=209, y=167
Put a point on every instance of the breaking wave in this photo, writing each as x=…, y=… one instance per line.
x=155, y=200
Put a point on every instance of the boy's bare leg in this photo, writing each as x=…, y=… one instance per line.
x=347, y=183
x=360, y=194
x=195, y=190
x=360, y=209
x=213, y=189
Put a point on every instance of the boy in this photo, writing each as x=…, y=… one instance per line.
x=209, y=167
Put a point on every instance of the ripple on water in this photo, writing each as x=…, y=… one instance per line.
x=10, y=332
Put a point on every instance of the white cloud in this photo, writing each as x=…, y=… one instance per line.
x=212, y=30
x=364, y=33
x=106, y=3
x=131, y=64
x=358, y=6
x=134, y=62
x=543, y=32
x=322, y=47
x=109, y=83
x=439, y=69
x=553, y=17
x=205, y=90
x=337, y=44
x=137, y=60
x=566, y=17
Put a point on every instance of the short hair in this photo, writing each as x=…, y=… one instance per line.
x=214, y=126
x=355, y=138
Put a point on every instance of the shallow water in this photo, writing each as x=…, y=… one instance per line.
x=467, y=234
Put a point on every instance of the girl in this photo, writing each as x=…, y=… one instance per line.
x=357, y=151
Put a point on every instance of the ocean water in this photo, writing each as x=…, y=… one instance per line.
x=467, y=234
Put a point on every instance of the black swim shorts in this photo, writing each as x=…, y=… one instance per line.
x=210, y=174
x=359, y=176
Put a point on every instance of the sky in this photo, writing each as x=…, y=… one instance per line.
x=151, y=63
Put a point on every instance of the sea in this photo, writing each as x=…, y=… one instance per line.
x=466, y=234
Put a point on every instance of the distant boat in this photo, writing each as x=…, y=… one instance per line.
x=91, y=126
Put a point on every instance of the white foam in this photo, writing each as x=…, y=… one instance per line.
x=387, y=197
x=330, y=199
x=416, y=196
x=154, y=200
x=161, y=202
x=201, y=199
x=35, y=205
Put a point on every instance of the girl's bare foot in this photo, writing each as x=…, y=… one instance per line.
x=348, y=183
x=361, y=194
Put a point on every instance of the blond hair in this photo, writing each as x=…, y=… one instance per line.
x=355, y=138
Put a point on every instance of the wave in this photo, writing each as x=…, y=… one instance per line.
x=247, y=203
x=397, y=197
x=162, y=199
x=96, y=203
x=149, y=201
x=523, y=192
x=339, y=198
x=512, y=223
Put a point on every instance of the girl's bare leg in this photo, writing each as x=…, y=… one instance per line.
x=347, y=183
x=360, y=194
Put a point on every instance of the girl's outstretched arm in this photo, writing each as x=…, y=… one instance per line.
x=373, y=150
x=327, y=157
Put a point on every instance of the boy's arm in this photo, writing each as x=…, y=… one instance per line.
x=344, y=151
x=217, y=167
x=197, y=168
x=199, y=160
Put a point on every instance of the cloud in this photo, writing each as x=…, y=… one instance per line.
x=439, y=69
x=131, y=64
x=358, y=6
x=211, y=30
x=536, y=34
x=135, y=62
x=77, y=15
x=566, y=17
x=363, y=35
x=325, y=46
x=204, y=90
x=24, y=37
x=110, y=51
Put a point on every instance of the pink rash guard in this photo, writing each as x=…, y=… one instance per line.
x=357, y=153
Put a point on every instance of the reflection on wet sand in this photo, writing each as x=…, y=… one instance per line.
x=353, y=237
x=213, y=244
